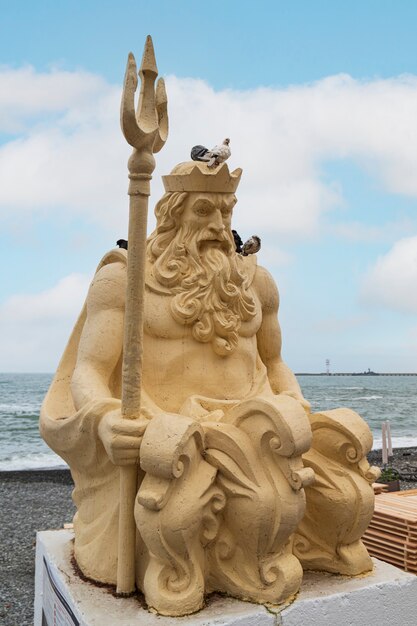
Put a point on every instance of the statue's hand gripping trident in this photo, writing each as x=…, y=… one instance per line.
x=146, y=130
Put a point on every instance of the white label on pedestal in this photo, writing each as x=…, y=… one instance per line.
x=56, y=610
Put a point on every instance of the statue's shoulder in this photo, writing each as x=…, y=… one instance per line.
x=262, y=274
x=112, y=260
x=266, y=288
x=108, y=287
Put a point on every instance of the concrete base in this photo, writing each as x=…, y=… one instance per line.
x=386, y=596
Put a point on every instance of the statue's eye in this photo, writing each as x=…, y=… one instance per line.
x=202, y=209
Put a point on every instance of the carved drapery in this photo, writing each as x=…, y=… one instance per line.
x=257, y=450
x=219, y=503
x=340, y=502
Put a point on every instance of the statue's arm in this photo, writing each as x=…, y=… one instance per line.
x=101, y=342
x=99, y=352
x=281, y=378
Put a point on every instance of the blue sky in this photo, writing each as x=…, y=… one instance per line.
x=320, y=102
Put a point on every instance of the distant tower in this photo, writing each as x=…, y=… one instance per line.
x=328, y=367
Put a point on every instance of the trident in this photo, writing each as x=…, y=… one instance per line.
x=146, y=130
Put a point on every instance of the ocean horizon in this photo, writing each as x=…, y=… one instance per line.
x=376, y=398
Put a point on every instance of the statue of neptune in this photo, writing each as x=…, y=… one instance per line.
x=240, y=487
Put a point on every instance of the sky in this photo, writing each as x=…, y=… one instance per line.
x=319, y=100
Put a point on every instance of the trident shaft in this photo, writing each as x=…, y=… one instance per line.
x=146, y=130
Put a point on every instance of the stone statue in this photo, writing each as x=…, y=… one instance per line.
x=239, y=486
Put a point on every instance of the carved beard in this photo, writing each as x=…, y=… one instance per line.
x=211, y=294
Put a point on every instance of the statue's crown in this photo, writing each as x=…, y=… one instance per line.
x=197, y=176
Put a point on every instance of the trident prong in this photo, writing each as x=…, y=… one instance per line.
x=147, y=128
x=162, y=111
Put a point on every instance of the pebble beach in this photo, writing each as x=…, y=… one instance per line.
x=30, y=501
x=36, y=500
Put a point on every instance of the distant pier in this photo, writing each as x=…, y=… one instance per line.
x=358, y=374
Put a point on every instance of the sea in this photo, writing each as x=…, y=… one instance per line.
x=375, y=398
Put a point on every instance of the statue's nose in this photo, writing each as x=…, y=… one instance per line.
x=216, y=224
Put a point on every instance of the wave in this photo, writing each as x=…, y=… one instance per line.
x=353, y=388
x=20, y=408
x=342, y=398
x=406, y=441
x=368, y=398
x=42, y=460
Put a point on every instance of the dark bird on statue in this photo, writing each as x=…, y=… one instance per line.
x=215, y=156
x=122, y=243
x=198, y=153
x=238, y=241
x=251, y=246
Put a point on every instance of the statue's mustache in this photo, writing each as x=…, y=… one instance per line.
x=209, y=237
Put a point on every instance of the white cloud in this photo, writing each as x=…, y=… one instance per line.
x=392, y=281
x=70, y=154
x=26, y=94
x=34, y=328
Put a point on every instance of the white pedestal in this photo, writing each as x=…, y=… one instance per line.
x=386, y=596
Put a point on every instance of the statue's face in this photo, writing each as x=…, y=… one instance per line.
x=210, y=215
